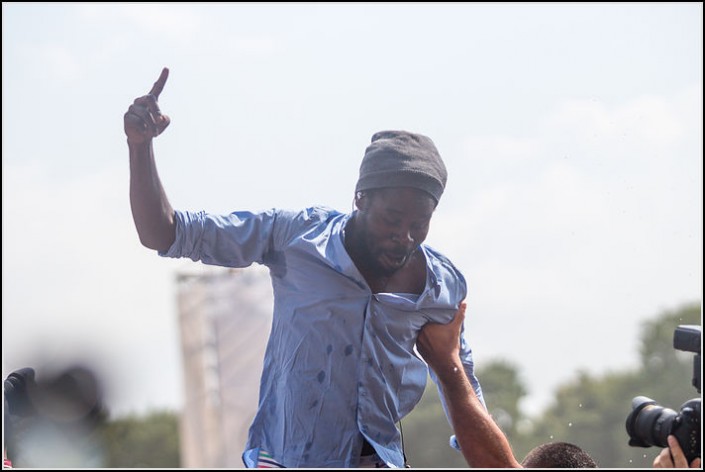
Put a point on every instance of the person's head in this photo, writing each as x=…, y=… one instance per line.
x=558, y=455
x=402, y=178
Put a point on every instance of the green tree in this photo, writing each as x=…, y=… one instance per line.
x=426, y=434
x=142, y=442
x=503, y=391
x=591, y=411
x=666, y=373
x=588, y=410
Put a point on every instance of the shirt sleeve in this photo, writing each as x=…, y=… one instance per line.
x=469, y=365
x=234, y=240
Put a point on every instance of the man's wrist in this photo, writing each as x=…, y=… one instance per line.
x=139, y=147
x=451, y=374
x=138, y=142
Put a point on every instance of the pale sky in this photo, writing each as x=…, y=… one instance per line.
x=572, y=134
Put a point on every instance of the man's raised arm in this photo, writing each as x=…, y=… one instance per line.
x=151, y=210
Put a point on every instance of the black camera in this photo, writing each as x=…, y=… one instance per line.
x=650, y=424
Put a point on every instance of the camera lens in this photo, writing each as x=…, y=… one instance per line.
x=649, y=424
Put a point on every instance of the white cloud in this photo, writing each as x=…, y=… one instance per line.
x=648, y=123
x=504, y=150
x=175, y=22
x=253, y=45
x=193, y=28
x=77, y=285
x=576, y=233
x=61, y=61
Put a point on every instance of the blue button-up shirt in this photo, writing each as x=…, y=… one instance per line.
x=340, y=363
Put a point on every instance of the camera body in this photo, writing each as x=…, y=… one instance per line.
x=650, y=424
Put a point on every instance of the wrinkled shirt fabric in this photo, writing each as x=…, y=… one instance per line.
x=340, y=362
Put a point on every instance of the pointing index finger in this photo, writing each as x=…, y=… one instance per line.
x=159, y=84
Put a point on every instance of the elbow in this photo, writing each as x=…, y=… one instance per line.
x=155, y=244
x=158, y=241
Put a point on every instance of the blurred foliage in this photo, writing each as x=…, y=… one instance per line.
x=426, y=434
x=589, y=411
x=503, y=390
x=150, y=441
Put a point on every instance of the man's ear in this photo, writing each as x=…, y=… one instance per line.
x=361, y=201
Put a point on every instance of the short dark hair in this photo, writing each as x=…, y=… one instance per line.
x=558, y=455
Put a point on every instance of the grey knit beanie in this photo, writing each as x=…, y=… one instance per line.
x=402, y=159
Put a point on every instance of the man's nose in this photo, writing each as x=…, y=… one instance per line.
x=403, y=237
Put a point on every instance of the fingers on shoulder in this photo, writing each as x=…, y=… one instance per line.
x=460, y=314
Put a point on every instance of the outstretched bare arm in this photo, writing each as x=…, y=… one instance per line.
x=481, y=441
x=151, y=210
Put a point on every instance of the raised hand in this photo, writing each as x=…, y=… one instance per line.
x=143, y=119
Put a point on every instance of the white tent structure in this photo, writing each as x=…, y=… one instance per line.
x=224, y=320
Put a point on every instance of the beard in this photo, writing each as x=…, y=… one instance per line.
x=384, y=260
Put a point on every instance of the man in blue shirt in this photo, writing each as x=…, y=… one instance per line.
x=351, y=293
